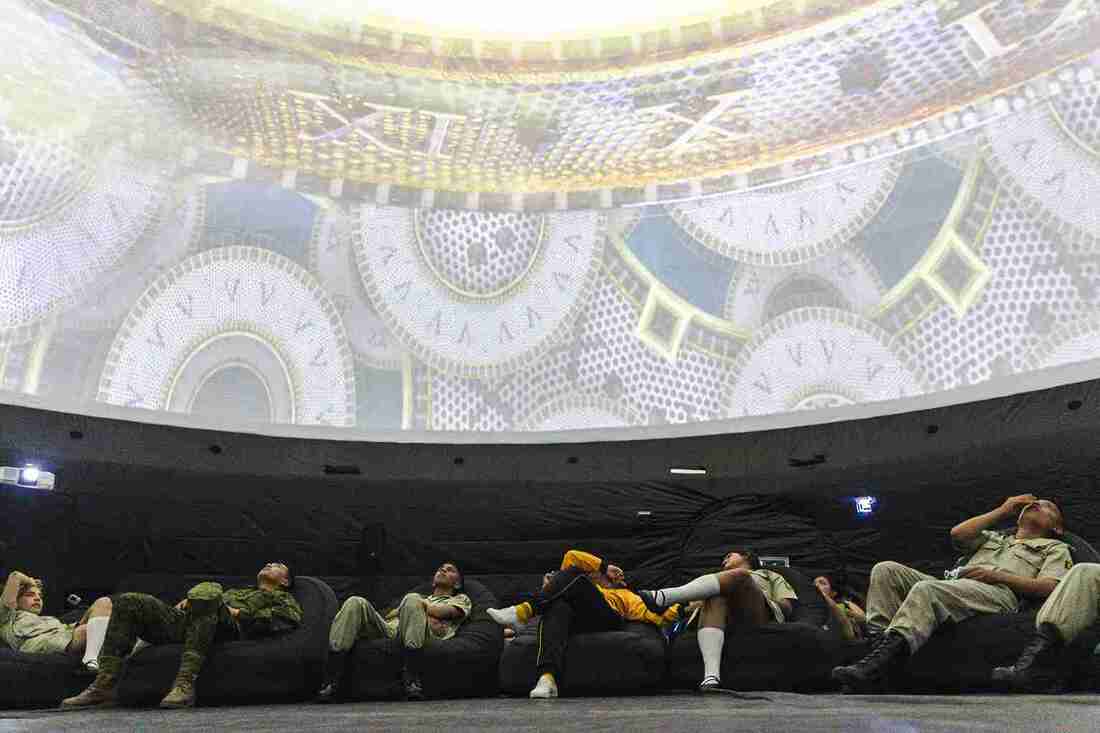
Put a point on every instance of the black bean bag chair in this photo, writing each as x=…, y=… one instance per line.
x=463, y=666
x=599, y=663
x=797, y=656
x=284, y=668
x=960, y=657
x=38, y=680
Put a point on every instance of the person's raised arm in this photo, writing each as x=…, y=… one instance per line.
x=585, y=561
x=11, y=589
x=965, y=533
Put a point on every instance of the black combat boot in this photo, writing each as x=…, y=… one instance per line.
x=868, y=674
x=334, y=672
x=410, y=675
x=1039, y=667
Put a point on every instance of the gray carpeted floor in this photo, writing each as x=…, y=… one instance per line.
x=672, y=713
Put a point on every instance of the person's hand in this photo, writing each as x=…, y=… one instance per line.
x=981, y=574
x=1013, y=504
x=615, y=574
x=182, y=605
x=509, y=633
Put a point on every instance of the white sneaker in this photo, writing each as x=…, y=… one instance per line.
x=504, y=616
x=546, y=689
x=92, y=665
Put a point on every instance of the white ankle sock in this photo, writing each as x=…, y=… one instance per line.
x=703, y=587
x=504, y=616
x=711, y=641
x=96, y=633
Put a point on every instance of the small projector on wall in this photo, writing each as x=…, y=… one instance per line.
x=29, y=476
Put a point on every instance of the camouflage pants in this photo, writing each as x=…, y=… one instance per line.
x=358, y=619
x=136, y=615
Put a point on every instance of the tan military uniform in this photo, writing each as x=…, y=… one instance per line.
x=358, y=619
x=30, y=633
x=1075, y=604
x=914, y=604
x=775, y=589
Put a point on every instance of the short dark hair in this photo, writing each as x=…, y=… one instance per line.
x=749, y=554
x=461, y=577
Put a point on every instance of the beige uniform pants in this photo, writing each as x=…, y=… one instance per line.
x=914, y=604
x=1075, y=603
x=358, y=619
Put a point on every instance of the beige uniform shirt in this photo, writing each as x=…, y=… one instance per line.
x=28, y=632
x=775, y=589
x=1038, y=558
x=440, y=628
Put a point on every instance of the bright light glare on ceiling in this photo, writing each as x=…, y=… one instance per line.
x=508, y=17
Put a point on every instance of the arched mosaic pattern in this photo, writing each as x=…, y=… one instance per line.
x=525, y=308
x=818, y=357
x=333, y=258
x=229, y=291
x=814, y=205
x=790, y=223
x=50, y=260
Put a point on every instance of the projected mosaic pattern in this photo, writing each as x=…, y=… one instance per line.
x=261, y=217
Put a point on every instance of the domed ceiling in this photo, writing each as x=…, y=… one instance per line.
x=492, y=216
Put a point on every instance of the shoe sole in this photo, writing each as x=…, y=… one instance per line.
x=176, y=706
x=851, y=684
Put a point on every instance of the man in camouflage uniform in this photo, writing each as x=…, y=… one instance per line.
x=417, y=621
x=906, y=606
x=208, y=614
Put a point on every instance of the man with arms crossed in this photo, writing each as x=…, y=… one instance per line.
x=908, y=605
x=416, y=621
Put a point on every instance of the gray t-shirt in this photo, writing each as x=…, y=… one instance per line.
x=28, y=632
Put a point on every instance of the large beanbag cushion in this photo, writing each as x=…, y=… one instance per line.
x=463, y=666
x=283, y=668
x=960, y=657
x=796, y=656
x=38, y=680
x=599, y=663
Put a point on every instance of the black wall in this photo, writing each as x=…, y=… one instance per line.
x=134, y=497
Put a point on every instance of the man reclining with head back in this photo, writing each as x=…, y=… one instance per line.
x=416, y=621
x=907, y=606
x=586, y=595
x=25, y=629
x=206, y=615
x=742, y=595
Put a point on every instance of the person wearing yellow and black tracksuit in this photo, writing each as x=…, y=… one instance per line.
x=586, y=595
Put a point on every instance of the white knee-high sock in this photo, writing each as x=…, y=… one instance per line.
x=711, y=641
x=700, y=589
x=96, y=633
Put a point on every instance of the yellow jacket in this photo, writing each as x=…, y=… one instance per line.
x=625, y=602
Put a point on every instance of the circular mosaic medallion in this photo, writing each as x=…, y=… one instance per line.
x=817, y=357
x=222, y=296
x=472, y=319
x=791, y=222
x=479, y=255
x=1044, y=159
